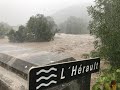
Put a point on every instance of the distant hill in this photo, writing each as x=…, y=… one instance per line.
x=79, y=11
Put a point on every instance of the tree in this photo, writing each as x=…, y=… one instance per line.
x=11, y=36
x=73, y=25
x=40, y=28
x=105, y=25
x=17, y=36
x=4, y=29
x=20, y=34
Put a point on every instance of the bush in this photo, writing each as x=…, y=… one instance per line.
x=17, y=36
x=11, y=36
x=20, y=34
x=40, y=28
x=105, y=79
x=94, y=54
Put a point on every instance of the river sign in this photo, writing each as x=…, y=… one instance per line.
x=41, y=78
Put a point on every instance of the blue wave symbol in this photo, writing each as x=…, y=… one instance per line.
x=46, y=71
x=43, y=84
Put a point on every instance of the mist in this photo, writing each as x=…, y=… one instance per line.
x=17, y=12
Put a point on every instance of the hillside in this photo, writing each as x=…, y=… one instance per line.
x=76, y=10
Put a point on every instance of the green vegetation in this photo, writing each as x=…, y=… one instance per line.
x=4, y=29
x=39, y=28
x=104, y=81
x=17, y=36
x=105, y=26
x=11, y=36
x=73, y=25
x=94, y=54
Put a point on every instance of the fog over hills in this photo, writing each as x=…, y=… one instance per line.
x=59, y=11
x=79, y=11
x=75, y=10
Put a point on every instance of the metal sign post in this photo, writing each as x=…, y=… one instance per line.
x=41, y=78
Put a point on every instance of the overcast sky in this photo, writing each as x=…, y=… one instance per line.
x=17, y=12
